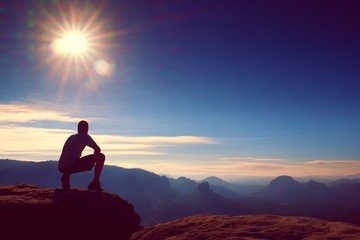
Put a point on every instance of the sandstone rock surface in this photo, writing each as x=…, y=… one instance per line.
x=271, y=227
x=29, y=212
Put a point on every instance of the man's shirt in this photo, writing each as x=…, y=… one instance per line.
x=73, y=148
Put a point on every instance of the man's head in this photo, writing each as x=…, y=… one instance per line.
x=83, y=126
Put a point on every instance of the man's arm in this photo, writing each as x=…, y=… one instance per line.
x=97, y=149
x=91, y=143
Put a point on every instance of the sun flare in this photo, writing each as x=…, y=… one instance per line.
x=78, y=36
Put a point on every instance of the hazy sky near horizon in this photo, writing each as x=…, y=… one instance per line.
x=187, y=88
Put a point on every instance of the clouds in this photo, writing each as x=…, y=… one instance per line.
x=108, y=139
x=29, y=143
x=37, y=142
x=25, y=113
x=146, y=145
x=335, y=167
x=251, y=159
x=333, y=162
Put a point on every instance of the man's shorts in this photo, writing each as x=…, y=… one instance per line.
x=83, y=164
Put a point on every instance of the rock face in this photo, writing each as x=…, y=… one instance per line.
x=29, y=212
x=248, y=227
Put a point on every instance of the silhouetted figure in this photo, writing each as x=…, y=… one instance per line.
x=71, y=161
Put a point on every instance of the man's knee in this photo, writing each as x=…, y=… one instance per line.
x=101, y=157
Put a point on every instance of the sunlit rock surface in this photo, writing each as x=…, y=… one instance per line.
x=249, y=227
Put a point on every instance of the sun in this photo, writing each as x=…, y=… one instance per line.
x=72, y=43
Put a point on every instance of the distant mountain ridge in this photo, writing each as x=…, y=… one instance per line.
x=285, y=188
x=159, y=199
x=241, y=189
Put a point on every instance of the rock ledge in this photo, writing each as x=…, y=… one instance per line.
x=29, y=212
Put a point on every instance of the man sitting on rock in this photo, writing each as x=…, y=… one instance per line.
x=71, y=161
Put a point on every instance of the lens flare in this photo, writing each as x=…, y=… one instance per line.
x=104, y=68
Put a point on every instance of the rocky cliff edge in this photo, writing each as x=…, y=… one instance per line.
x=29, y=212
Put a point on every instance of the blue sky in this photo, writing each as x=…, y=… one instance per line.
x=226, y=88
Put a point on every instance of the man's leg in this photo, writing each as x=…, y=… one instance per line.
x=65, y=181
x=65, y=178
x=99, y=164
x=86, y=163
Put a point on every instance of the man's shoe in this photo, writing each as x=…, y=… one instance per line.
x=95, y=186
